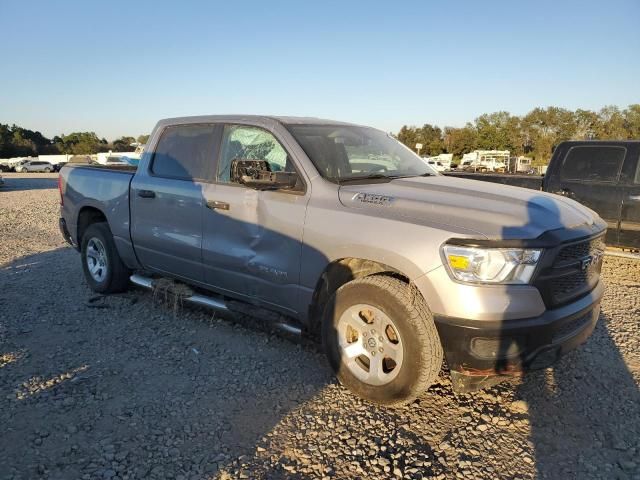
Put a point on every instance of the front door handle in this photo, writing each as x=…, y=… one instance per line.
x=146, y=193
x=214, y=204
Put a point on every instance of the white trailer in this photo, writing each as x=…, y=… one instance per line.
x=440, y=162
x=485, y=160
x=519, y=164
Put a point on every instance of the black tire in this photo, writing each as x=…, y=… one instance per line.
x=422, y=357
x=117, y=274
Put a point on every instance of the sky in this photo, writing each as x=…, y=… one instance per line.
x=117, y=67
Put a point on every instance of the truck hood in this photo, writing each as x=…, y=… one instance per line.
x=492, y=210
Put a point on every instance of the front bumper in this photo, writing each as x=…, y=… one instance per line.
x=481, y=353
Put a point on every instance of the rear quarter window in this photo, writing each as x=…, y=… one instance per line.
x=184, y=152
x=593, y=163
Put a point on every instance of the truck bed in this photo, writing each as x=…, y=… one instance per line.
x=533, y=182
x=103, y=188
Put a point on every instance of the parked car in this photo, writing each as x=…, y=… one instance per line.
x=437, y=166
x=5, y=168
x=34, y=166
x=58, y=166
x=391, y=266
x=83, y=160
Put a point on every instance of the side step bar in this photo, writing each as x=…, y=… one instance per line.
x=214, y=303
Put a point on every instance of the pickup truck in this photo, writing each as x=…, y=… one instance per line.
x=341, y=231
x=604, y=175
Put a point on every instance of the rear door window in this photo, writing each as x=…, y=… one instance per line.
x=593, y=163
x=185, y=152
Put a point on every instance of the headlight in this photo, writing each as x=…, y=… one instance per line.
x=491, y=265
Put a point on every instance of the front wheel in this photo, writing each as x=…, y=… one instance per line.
x=381, y=341
x=103, y=268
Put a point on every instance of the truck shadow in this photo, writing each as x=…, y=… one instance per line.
x=578, y=407
x=13, y=182
x=191, y=390
x=583, y=412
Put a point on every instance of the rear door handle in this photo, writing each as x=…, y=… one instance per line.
x=146, y=193
x=214, y=204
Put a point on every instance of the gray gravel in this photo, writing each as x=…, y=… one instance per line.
x=118, y=387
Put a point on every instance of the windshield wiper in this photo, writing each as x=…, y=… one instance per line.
x=375, y=176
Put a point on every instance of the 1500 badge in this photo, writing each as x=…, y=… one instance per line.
x=373, y=198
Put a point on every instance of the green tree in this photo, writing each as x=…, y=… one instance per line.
x=612, y=124
x=123, y=144
x=428, y=135
x=79, y=143
x=632, y=121
x=587, y=124
x=495, y=131
x=142, y=139
x=544, y=128
x=460, y=140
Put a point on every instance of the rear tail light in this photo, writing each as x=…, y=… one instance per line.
x=60, y=190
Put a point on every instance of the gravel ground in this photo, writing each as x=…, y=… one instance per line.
x=119, y=388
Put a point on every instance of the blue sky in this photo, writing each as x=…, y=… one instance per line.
x=116, y=67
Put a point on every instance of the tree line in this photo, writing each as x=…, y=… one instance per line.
x=16, y=141
x=534, y=134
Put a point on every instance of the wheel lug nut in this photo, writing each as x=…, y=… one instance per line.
x=381, y=349
x=364, y=334
x=373, y=331
x=380, y=338
x=373, y=353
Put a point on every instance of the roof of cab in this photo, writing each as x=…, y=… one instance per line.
x=287, y=120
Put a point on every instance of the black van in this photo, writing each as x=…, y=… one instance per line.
x=604, y=176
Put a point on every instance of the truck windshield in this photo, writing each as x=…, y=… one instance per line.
x=345, y=152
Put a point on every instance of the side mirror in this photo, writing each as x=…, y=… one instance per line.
x=257, y=174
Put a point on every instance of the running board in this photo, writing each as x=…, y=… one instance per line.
x=217, y=304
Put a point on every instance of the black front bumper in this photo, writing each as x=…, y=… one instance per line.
x=482, y=353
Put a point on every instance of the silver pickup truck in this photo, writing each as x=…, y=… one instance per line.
x=340, y=230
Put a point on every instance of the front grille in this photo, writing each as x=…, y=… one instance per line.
x=562, y=288
x=580, y=250
x=572, y=273
x=570, y=328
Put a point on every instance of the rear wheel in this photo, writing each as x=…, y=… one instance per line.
x=381, y=341
x=47, y=170
x=103, y=268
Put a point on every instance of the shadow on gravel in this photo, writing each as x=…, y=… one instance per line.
x=118, y=385
x=578, y=409
x=584, y=413
x=15, y=183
